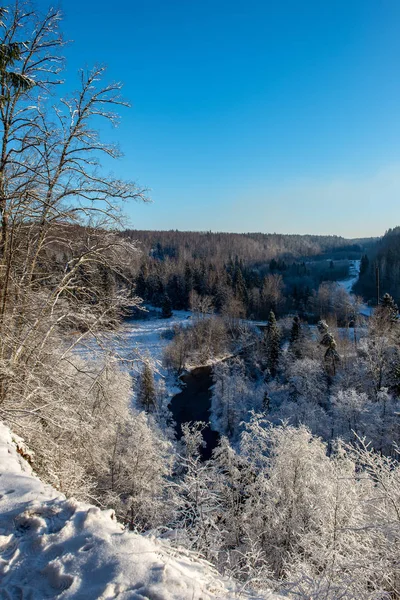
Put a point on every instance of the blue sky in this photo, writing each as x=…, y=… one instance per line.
x=252, y=115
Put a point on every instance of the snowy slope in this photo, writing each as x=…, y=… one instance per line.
x=51, y=547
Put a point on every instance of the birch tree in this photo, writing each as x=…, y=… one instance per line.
x=60, y=252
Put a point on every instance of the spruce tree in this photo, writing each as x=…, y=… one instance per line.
x=188, y=276
x=166, y=307
x=295, y=338
x=141, y=282
x=272, y=341
x=364, y=264
x=328, y=341
x=322, y=327
x=386, y=315
x=266, y=402
x=390, y=308
x=239, y=284
x=147, y=392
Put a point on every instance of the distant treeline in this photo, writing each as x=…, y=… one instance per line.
x=380, y=268
x=252, y=248
x=240, y=274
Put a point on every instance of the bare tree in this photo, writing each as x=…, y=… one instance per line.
x=63, y=264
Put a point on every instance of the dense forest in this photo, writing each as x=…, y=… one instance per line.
x=244, y=274
x=252, y=248
x=380, y=268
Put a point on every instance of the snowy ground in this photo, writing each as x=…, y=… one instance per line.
x=150, y=336
x=354, y=272
x=51, y=547
x=347, y=284
x=139, y=339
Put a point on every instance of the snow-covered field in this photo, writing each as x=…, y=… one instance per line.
x=51, y=547
x=147, y=336
x=139, y=339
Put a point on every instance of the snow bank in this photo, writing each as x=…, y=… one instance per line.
x=51, y=547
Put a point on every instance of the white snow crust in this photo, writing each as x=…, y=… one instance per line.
x=51, y=547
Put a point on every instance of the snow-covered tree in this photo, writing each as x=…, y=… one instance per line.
x=140, y=465
x=292, y=469
x=233, y=397
x=308, y=380
x=196, y=500
x=328, y=341
x=351, y=414
x=380, y=567
x=272, y=343
x=146, y=393
x=295, y=338
x=387, y=313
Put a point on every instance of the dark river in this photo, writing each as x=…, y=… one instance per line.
x=193, y=404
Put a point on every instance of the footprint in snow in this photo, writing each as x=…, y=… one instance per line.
x=9, y=547
x=29, y=522
x=16, y=592
x=57, y=580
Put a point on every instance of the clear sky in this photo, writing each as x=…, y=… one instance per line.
x=253, y=115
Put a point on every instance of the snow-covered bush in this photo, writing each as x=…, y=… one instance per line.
x=88, y=442
x=234, y=395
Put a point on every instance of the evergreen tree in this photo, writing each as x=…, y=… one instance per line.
x=322, y=327
x=166, y=307
x=159, y=252
x=147, y=391
x=295, y=338
x=176, y=291
x=272, y=341
x=188, y=276
x=141, y=282
x=394, y=377
x=386, y=315
x=266, y=402
x=273, y=265
x=221, y=295
x=390, y=308
x=328, y=341
x=364, y=264
x=239, y=285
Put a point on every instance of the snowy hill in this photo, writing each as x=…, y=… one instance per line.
x=51, y=547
